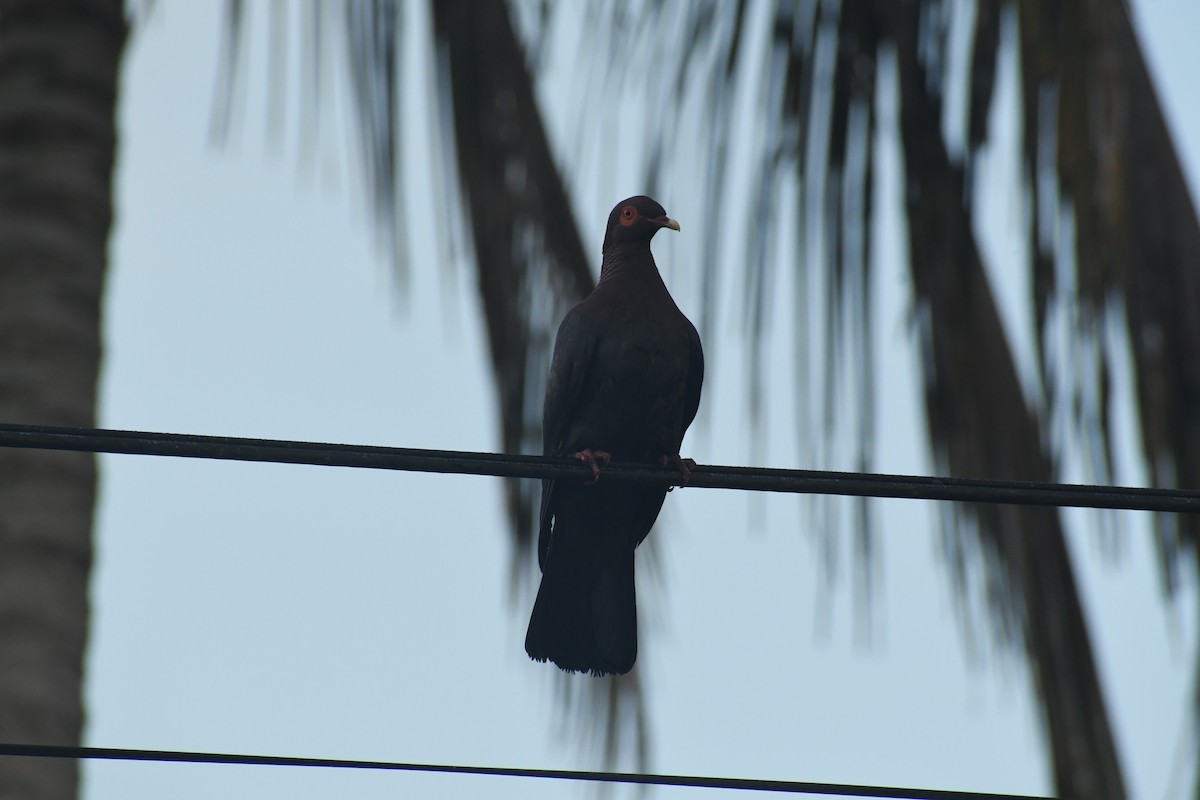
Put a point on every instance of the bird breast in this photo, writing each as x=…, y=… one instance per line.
x=639, y=383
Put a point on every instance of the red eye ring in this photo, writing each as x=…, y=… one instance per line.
x=628, y=215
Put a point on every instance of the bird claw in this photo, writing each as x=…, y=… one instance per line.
x=594, y=459
x=684, y=465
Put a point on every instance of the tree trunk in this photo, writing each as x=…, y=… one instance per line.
x=58, y=86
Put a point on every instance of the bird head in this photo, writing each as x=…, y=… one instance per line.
x=636, y=220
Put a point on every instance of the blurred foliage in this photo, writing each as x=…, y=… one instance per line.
x=1113, y=244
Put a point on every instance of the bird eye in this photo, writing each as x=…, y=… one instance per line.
x=628, y=215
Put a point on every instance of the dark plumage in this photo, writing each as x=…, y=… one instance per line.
x=624, y=384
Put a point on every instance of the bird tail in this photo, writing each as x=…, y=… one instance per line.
x=585, y=615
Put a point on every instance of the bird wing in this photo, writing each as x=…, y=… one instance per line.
x=695, y=378
x=574, y=348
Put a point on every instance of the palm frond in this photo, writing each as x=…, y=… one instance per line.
x=232, y=43
x=981, y=425
x=373, y=33
x=369, y=34
x=1095, y=147
x=1113, y=239
x=529, y=259
x=530, y=265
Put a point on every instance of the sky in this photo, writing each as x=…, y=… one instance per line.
x=342, y=613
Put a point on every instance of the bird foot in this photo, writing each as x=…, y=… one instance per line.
x=684, y=465
x=594, y=459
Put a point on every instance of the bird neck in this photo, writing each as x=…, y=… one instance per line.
x=629, y=261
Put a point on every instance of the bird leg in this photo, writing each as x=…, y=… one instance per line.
x=594, y=459
x=684, y=465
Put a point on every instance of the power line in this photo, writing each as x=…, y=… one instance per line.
x=861, y=484
x=694, y=781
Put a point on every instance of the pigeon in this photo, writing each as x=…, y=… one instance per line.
x=624, y=386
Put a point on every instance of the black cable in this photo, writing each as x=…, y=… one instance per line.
x=747, y=784
x=704, y=476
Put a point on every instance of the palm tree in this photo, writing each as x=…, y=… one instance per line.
x=1093, y=133
x=1102, y=118
x=59, y=65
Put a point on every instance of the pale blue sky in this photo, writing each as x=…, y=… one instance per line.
x=359, y=614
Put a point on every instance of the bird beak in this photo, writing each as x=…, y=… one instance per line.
x=666, y=222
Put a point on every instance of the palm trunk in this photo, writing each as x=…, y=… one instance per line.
x=58, y=77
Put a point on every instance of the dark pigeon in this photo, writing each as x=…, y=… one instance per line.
x=624, y=386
